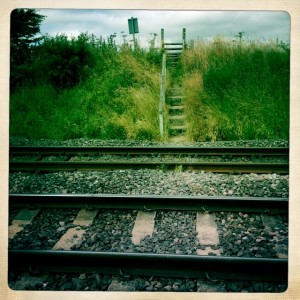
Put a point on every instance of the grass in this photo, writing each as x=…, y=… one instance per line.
x=118, y=100
x=237, y=90
x=234, y=90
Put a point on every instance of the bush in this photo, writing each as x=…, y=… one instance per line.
x=66, y=61
x=91, y=89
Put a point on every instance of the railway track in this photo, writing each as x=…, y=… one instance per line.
x=65, y=162
x=86, y=245
x=148, y=264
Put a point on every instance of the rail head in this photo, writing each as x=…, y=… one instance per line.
x=151, y=202
x=151, y=149
x=197, y=266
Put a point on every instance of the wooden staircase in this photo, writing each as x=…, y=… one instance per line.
x=176, y=116
x=176, y=127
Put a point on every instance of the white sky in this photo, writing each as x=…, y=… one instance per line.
x=262, y=25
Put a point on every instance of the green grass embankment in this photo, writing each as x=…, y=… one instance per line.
x=87, y=89
x=93, y=89
x=236, y=90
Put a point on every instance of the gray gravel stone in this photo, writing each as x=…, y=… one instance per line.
x=19, y=141
x=146, y=182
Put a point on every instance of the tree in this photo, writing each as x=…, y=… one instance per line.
x=24, y=25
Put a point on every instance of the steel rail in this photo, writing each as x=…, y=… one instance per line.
x=189, y=266
x=151, y=202
x=216, y=167
x=249, y=151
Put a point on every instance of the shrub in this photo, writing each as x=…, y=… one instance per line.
x=90, y=89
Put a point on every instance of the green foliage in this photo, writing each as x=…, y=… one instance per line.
x=66, y=61
x=24, y=25
x=154, y=56
x=90, y=87
x=29, y=111
x=87, y=87
x=244, y=90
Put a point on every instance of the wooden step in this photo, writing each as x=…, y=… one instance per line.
x=175, y=87
x=175, y=92
x=173, y=51
x=178, y=121
x=174, y=48
x=175, y=97
x=173, y=58
x=178, y=44
x=178, y=117
x=178, y=127
x=178, y=139
x=172, y=62
x=176, y=107
x=177, y=130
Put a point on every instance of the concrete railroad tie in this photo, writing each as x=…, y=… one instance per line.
x=24, y=217
x=73, y=235
x=207, y=233
x=143, y=226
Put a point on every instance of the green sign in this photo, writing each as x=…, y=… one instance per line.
x=133, y=25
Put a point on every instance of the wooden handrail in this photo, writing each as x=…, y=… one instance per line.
x=162, y=95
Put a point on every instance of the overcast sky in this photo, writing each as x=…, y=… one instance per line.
x=199, y=24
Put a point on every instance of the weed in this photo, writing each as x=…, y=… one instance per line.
x=178, y=169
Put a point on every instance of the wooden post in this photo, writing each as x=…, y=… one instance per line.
x=162, y=43
x=133, y=35
x=162, y=96
x=183, y=38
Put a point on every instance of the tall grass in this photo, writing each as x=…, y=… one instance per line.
x=89, y=87
x=116, y=97
x=237, y=90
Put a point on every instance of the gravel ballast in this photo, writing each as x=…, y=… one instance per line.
x=20, y=141
x=156, y=182
x=111, y=231
x=97, y=282
x=243, y=234
x=45, y=230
